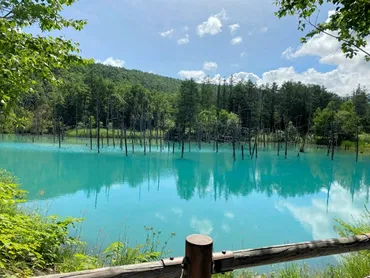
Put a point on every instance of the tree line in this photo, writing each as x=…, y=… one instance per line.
x=100, y=103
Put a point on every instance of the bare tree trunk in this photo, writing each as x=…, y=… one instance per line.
x=144, y=138
x=107, y=123
x=150, y=136
x=59, y=139
x=356, y=140
x=54, y=128
x=189, y=135
x=113, y=130
x=303, y=144
x=256, y=143
x=182, y=142
x=132, y=139
x=250, y=141
x=141, y=126
x=125, y=140
x=98, y=124
x=157, y=129
x=76, y=121
x=286, y=141
x=234, y=149
x=90, y=134
x=332, y=141
x=121, y=134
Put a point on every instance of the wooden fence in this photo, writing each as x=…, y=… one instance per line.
x=200, y=262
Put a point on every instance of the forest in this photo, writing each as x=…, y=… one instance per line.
x=137, y=107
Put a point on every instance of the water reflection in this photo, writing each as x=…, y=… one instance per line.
x=241, y=204
x=53, y=173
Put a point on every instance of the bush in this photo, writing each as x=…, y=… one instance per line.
x=29, y=242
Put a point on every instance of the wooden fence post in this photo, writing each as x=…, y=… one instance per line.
x=198, y=256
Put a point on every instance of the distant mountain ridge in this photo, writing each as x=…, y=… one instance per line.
x=149, y=81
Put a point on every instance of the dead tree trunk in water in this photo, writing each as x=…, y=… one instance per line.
x=150, y=136
x=286, y=140
x=250, y=141
x=182, y=142
x=256, y=143
x=107, y=122
x=121, y=134
x=356, y=139
x=98, y=124
x=132, y=136
x=189, y=137
x=157, y=128
x=113, y=131
x=90, y=134
x=332, y=141
x=59, y=135
x=141, y=125
x=144, y=137
x=76, y=121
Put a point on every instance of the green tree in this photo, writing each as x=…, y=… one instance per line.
x=187, y=108
x=26, y=58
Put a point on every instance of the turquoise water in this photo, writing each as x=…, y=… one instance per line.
x=241, y=204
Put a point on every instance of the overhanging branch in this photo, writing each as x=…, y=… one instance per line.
x=338, y=38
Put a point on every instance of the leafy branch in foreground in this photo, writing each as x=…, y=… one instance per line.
x=26, y=58
x=349, y=22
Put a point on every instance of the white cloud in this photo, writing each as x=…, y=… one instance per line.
x=264, y=29
x=177, y=211
x=112, y=62
x=236, y=40
x=234, y=28
x=244, y=76
x=317, y=218
x=341, y=80
x=160, y=216
x=197, y=75
x=213, y=25
x=229, y=215
x=209, y=65
x=167, y=34
x=330, y=13
x=243, y=54
x=183, y=40
x=202, y=226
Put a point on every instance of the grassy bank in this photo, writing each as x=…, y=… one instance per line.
x=85, y=133
x=31, y=244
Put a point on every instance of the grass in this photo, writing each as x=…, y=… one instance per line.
x=82, y=133
x=364, y=143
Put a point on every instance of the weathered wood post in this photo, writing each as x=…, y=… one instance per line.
x=198, y=256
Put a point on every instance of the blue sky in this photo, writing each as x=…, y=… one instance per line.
x=176, y=37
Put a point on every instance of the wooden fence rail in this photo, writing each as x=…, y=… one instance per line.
x=200, y=262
